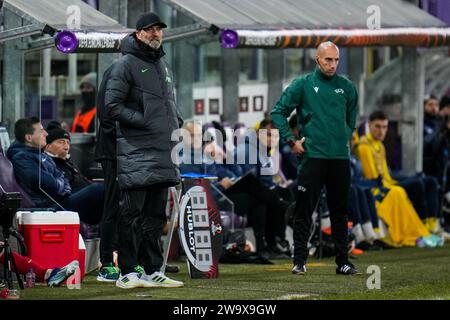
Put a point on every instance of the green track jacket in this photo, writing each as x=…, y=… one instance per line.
x=326, y=112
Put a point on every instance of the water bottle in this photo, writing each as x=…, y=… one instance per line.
x=30, y=279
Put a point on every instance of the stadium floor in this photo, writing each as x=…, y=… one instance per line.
x=407, y=273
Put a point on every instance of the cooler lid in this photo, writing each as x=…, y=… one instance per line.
x=47, y=217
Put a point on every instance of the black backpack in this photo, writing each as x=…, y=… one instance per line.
x=233, y=250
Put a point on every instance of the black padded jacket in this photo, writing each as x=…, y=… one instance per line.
x=140, y=98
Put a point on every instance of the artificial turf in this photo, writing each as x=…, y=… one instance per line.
x=407, y=273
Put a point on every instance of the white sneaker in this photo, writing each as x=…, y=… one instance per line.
x=129, y=281
x=159, y=280
x=59, y=275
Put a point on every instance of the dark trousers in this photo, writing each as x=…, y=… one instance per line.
x=334, y=174
x=372, y=207
x=265, y=210
x=246, y=205
x=88, y=202
x=108, y=236
x=141, y=222
x=423, y=192
x=358, y=206
x=362, y=206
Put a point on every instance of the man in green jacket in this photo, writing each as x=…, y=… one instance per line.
x=326, y=106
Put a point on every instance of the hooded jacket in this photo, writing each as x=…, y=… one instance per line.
x=140, y=98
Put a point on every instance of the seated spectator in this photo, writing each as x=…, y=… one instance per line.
x=363, y=212
x=263, y=149
x=38, y=175
x=440, y=153
x=360, y=216
x=53, y=277
x=259, y=156
x=252, y=202
x=58, y=148
x=432, y=123
x=444, y=106
x=392, y=202
x=422, y=190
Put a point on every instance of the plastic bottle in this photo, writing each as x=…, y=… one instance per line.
x=30, y=279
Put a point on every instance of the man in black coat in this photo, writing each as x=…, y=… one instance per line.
x=105, y=154
x=140, y=99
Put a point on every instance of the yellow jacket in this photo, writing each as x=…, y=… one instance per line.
x=372, y=155
x=393, y=205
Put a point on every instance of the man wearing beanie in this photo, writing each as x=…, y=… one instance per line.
x=58, y=147
x=139, y=97
x=84, y=120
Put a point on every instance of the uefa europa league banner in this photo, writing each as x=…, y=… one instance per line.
x=200, y=229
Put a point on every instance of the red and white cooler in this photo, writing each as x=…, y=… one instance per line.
x=82, y=256
x=52, y=238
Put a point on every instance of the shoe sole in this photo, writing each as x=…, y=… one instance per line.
x=118, y=285
x=299, y=273
x=161, y=285
x=100, y=279
x=67, y=276
x=349, y=274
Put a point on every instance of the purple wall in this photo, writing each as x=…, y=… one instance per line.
x=438, y=8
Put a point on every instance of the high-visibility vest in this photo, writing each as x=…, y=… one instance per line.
x=83, y=120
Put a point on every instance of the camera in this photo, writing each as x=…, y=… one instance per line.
x=9, y=203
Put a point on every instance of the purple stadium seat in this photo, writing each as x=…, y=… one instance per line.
x=9, y=183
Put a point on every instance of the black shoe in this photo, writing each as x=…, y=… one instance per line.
x=382, y=245
x=347, y=269
x=299, y=269
x=264, y=254
x=363, y=245
x=172, y=269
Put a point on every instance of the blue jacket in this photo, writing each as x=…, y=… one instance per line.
x=289, y=161
x=26, y=161
x=194, y=163
x=357, y=175
x=262, y=161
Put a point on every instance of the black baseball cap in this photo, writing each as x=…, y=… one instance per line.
x=148, y=20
